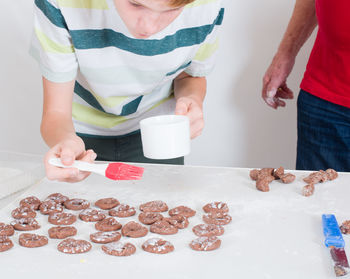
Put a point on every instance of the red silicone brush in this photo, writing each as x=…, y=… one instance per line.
x=115, y=171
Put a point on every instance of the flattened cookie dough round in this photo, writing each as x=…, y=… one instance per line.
x=32, y=202
x=105, y=237
x=108, y=224
x=61, y=232
x=23, y=212
x=182, y=210
x=107, y=203
x=208, y=230
x=91, y=215
x=217, y=219
x=216, y=207
x=31, y=240
x=49, y=206
x=62, y=218
x=122, y=210
x=5, y=243
x=133, y=229
x=76, y=204
x=157, y=246
x=6, y=230
x=154, y=206
x=178, y=221
x=74, y=246
x=148, y=218
x=205, y=243
x=57, y=197
x=25, y=224
x=345, y=227
x=163, y=227
x=119, y=249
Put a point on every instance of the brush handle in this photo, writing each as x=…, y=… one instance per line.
x=81, y=165
x=331, y=231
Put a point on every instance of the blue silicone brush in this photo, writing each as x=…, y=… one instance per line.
x=335, y=242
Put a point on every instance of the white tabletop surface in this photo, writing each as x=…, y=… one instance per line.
x=277, y=234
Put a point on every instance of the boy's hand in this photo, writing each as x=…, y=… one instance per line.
x=70, y=149
x=193, y=110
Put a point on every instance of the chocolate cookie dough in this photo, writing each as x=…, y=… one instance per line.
x=62, y=232
x=182, y=210
x=5, y=243
x=105, y=237
x=62, y=218
x=208, y=230
x=108, y=224
x=179, y=221
x=205, y=243
x=122, y=210
x=157, y=246
x=50, y=206
x=32, y=202
x=148, y=218
x=154, y=206
x=23, y=212
x=6, y=230
x=31, y=240
x=25, y=224
x=163, y=227
x=133, y=229
x=119, y=249
x=57, y=197
x=345, y=227
x=217, y=219
x=91, y=215
x=74, y=246
x=107, y=203
x=216, y=207
x=76, y=204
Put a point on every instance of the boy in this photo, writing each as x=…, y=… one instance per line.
x=107, y=64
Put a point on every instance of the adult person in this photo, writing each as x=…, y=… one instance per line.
x=324, y=99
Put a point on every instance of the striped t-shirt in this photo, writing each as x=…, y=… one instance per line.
x=119, y=79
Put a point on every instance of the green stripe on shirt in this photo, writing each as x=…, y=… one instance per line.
x=95, y=39
x=52, y=13
x=51, y=46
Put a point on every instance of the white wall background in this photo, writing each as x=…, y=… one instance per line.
x=240, y=131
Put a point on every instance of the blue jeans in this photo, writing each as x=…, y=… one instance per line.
x=323, y=134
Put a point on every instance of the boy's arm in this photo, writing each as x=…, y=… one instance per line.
x=300, y=27
x=58, y=132
x=189, y=94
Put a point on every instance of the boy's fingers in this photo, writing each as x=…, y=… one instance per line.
x=181, y=107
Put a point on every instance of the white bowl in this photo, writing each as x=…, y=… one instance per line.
x=165, y=136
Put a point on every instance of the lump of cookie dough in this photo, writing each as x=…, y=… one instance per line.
x=119, y=249
x=6, y=230
x=5, y=243
x=287, y=178
x=31, y=240
x=61, y=232
x=157, y=246
x=308, y=190
x=345, y=227
x=205, y=243
x=321, y=176
x=74, y=246
x=262, y=183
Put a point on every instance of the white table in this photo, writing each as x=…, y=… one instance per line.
x=277, y=234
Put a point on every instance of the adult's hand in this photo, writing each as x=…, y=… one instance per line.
x=275, y=81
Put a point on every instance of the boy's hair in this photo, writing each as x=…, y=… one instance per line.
x=179, y=3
